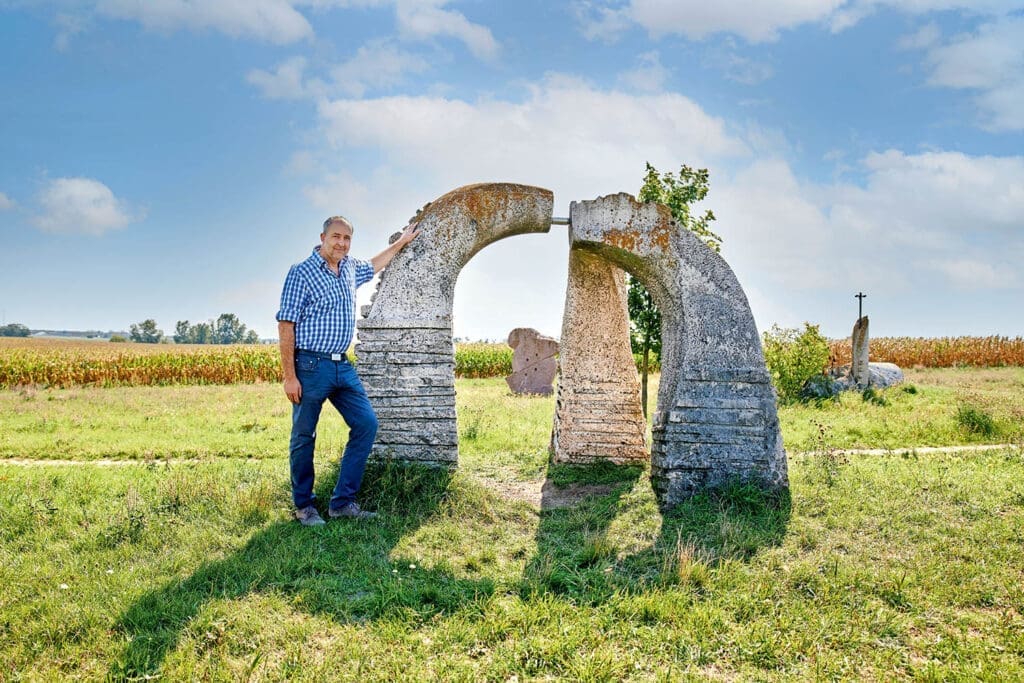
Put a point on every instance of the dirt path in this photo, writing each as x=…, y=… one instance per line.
x=538, y=493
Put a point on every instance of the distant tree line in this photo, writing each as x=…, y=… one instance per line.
x=14, y=330
x=226, y=329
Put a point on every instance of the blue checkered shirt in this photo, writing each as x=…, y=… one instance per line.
x=321, y=304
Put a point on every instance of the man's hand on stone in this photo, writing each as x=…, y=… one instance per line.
x=293, y=389
x=409, y=234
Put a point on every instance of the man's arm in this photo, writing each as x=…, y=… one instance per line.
x=381, y=260
x=292, y=386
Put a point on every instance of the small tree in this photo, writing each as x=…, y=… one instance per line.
x=793, y=357
x=181, y=332
x=644, y=330
x=678, y=193
x=228, y=329
x=14, y=330
x=145, y=332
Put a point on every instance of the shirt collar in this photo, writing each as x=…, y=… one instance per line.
x=323, y=263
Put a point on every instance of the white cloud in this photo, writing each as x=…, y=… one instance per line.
x=601, y=23
x=924, y=37
x=275, y=21
x=80, y=206
x=991, y=62
x=6, y=202
x=970, y=274
x=376, y=65
x=564, y=125
x=757, y=22
x=649, y=75
x=68, y=26
x=914, y=215
x=286, y=82
x=736, y=67
x=427, y=18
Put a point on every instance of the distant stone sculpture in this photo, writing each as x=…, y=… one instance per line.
x=859, y=344
x=533, y=362
x=598, y=414
x=861, y=373
x=716, y=420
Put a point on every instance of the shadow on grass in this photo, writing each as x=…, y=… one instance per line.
x=341, y=570
x=576, y=557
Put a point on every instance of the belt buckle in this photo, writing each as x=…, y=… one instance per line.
x=336, y=356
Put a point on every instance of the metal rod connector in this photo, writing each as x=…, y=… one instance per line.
x=556, y=220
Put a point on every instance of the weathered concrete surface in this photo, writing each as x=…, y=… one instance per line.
x=533, y=362
x=597, y=415
x=880, y=376
x=859, y=344
x=405, y=354
x=716, y=418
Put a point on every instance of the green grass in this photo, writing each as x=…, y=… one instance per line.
x=500, y=433
x=873, y=567
x=926, y=411
x=899, y=568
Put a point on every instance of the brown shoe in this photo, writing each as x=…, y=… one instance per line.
x=351, y=511
x=308, y=516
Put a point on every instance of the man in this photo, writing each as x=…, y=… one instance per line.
x=316, y=324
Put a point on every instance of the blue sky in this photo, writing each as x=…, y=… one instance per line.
x=171, y=158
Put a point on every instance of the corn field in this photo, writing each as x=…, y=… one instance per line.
x=942, y=352
x=480, y=359
x=64, y=363
x=60, y=363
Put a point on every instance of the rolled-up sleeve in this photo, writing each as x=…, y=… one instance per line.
x=292, y=296
x=364, y=271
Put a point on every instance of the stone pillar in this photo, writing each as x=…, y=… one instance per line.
x=859, y=367
x=597, y=415
x=408, y=370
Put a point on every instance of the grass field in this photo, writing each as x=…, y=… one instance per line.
x=900, y=566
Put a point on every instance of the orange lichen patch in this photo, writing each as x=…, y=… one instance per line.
x=482, y=202
x=657, y=237
x=623, y=239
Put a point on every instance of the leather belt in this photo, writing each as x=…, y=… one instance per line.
x=336, y=357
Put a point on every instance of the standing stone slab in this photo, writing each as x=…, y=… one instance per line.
x=405, y=354
x=859, y=367
x=597, y=415
x=716, y=419
x=533, y=361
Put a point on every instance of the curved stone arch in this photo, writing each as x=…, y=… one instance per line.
x=716, y=418
x=405, y=350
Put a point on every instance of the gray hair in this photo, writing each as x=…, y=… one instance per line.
x=337, y=219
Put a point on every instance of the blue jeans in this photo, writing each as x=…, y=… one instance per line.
x=337, y=382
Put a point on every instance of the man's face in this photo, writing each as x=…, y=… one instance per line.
x=335, y=241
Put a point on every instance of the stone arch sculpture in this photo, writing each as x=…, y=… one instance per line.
x=405, y=351
x=716, y=418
